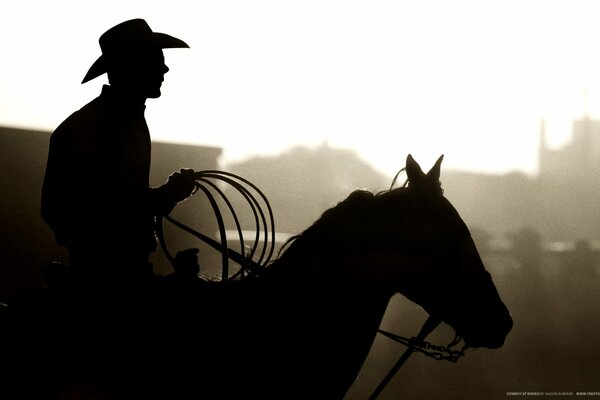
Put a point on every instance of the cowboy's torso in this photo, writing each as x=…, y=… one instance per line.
x=98, y=170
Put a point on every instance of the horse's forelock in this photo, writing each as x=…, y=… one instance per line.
x=433, y=187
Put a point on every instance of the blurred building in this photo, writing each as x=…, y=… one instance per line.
x=577, y=160
x=26, y=242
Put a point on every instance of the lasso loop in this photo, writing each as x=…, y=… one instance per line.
x=263, y=244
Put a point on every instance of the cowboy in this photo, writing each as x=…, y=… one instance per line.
x=96, y=195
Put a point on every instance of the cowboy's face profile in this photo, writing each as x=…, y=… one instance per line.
x=141, y=72
x=155, y=73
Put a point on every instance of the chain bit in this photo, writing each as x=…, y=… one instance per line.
x=430, y=350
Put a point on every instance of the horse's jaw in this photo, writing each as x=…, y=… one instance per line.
x=473, y=308
x=481, y=320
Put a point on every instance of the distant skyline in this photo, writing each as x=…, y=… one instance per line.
x=470, y=79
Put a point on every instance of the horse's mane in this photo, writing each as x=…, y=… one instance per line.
x=358, y=204
x=359, y=201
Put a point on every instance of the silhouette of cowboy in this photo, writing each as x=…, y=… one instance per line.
x=96, y=195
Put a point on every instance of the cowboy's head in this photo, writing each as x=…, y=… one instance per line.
x=132, y=57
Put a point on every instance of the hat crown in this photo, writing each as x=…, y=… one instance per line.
x=127, y=35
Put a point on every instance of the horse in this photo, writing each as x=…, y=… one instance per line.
x=301, y=328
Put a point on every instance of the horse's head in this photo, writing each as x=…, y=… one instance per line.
x=413, y=241
x=442, y=270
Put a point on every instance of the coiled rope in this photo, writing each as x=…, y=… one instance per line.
x=250, y=259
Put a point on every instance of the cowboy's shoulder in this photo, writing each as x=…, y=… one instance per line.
x=80, y=122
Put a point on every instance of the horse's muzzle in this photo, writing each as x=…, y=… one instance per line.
x=490, y=331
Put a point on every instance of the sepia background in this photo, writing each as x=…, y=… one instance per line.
x=310, y=100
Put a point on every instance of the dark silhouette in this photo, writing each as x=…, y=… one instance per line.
x=185, y=280
x=300, y=329
x=96, y=195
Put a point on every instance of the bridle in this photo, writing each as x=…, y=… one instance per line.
x=418, y=344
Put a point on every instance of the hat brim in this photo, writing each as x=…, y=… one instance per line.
x=157, y=39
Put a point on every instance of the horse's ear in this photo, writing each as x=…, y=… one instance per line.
x=413, y=170
x=434, y=173
x=424, y=184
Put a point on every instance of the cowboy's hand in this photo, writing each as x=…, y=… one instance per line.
x=180, y=185
x=186, y=263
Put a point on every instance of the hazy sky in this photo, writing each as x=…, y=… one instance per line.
x=470, y=79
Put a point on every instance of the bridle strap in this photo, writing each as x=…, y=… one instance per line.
x=426, y=329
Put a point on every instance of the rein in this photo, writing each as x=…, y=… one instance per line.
x=430, y=350
x=418, y=344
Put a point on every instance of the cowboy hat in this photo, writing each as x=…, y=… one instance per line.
x=125, y=37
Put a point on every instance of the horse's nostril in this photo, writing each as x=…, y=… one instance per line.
x=490, y=332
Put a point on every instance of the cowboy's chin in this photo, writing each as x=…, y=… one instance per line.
x=154, y=93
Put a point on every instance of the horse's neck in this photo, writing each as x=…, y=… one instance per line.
x=329, y=312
